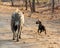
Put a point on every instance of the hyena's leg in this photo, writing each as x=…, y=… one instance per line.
x=20, y=32
x=13, y=35
x=17, y=36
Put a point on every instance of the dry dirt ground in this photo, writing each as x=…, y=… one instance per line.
x=30, y=37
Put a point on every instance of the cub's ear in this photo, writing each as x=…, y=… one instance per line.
x=40, y=22
x=23, y=12
x=36, y=22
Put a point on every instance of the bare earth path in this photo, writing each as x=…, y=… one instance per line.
x=30, y=38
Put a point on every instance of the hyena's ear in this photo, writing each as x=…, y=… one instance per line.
x=17, y=10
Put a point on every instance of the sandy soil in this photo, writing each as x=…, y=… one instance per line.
x=30, y=37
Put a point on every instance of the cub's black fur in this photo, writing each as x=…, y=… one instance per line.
x=40, y=26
